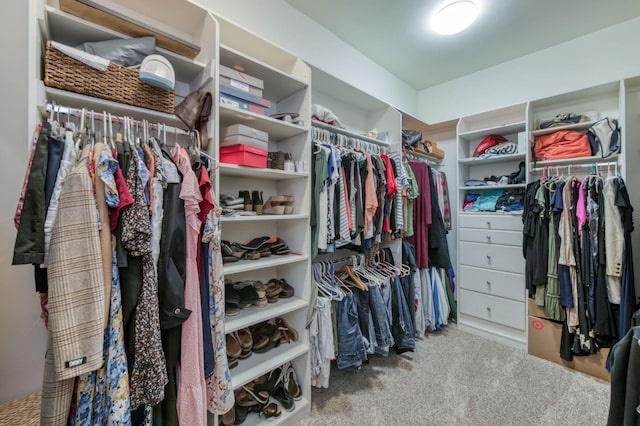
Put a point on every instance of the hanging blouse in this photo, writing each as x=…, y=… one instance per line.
x=220, y=396
x=191, y=403
x=149, y=371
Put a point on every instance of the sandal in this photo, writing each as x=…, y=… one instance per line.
x=268, y=381
x=271, y=411
x=281, y=395
x=273, y=288
x=234, y=350
x=251, y=255
x=232, y=362
x=231, y=309
x=228, y=418
x=287, y=290
x=291, y=382
x=229, y=252
x=245, y=397
x=241, y=414
x=258, y=242
x=231, y=295
x=264, y=252
x=248, y=296
x=288, y=332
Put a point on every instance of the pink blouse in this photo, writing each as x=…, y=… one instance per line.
x=192, y=392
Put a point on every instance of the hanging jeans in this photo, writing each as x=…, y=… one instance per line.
x=381, y=320
x=402, y=328
x=351, y=349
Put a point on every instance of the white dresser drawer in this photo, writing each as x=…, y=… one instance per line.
x=496, y=257
x=495, y=309
x=508, y=238
x=485, y=221
x=502, y=284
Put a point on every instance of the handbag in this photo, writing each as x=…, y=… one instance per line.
x=194, y=111
x=606, y=133
x=411, y=137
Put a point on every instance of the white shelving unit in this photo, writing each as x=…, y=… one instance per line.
x=359, y=113
x=190, y=74
x=287, y=86
x=491, y=301
x=606, y=100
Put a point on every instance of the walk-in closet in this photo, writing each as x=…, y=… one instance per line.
x=243, y=212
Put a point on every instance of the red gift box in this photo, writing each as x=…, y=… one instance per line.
x=244, y=155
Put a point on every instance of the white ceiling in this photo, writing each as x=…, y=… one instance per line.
x=392, y=32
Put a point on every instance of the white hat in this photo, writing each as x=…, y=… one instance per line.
x=157, y=71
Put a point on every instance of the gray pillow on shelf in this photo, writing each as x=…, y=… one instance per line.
x=127, y=52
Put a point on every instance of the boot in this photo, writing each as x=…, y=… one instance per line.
x=245, y=195
x=256, y=197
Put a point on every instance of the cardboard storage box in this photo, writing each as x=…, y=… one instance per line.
x=594, y=365
x=241, y=81
x=544, y=342
x=242, y=100
x=234, y=102
x=244, y=140
x=240, y=85
x=241, y=129
x=244, y=155
x=535, y=310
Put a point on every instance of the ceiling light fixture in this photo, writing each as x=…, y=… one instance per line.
x=454, y=17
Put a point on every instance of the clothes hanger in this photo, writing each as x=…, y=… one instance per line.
x=353, y=278
x=327, y=282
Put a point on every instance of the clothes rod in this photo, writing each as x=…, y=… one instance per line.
x=575, y=166
x=424, y=158
x=77, y=112
x=324, y=133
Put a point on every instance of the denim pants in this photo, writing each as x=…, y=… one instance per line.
x=402, y=328
x=351, y=350
x=381, y=320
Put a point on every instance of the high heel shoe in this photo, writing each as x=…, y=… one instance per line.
x=256, y=198
x=246, y=196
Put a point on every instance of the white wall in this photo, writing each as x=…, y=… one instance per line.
x=22, y=332
x=283, y=25
x=600, y=57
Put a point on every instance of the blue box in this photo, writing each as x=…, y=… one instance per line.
x=236, y=93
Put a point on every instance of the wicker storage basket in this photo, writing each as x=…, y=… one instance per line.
x=117, y=83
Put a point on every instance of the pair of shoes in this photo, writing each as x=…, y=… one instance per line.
x=287, y=290
x=279, y=204
x=252, y=201
x=273, y=290
x=247, y=294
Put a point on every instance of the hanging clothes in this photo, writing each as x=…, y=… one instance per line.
x=191, y=401
x=421, y=213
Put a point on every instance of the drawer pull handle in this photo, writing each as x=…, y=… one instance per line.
x=488, y=238
x=488, y=259
x=489, y=224
x=488, y=309
x=488, y=282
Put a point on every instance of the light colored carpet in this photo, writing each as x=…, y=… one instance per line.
x=456, y=378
